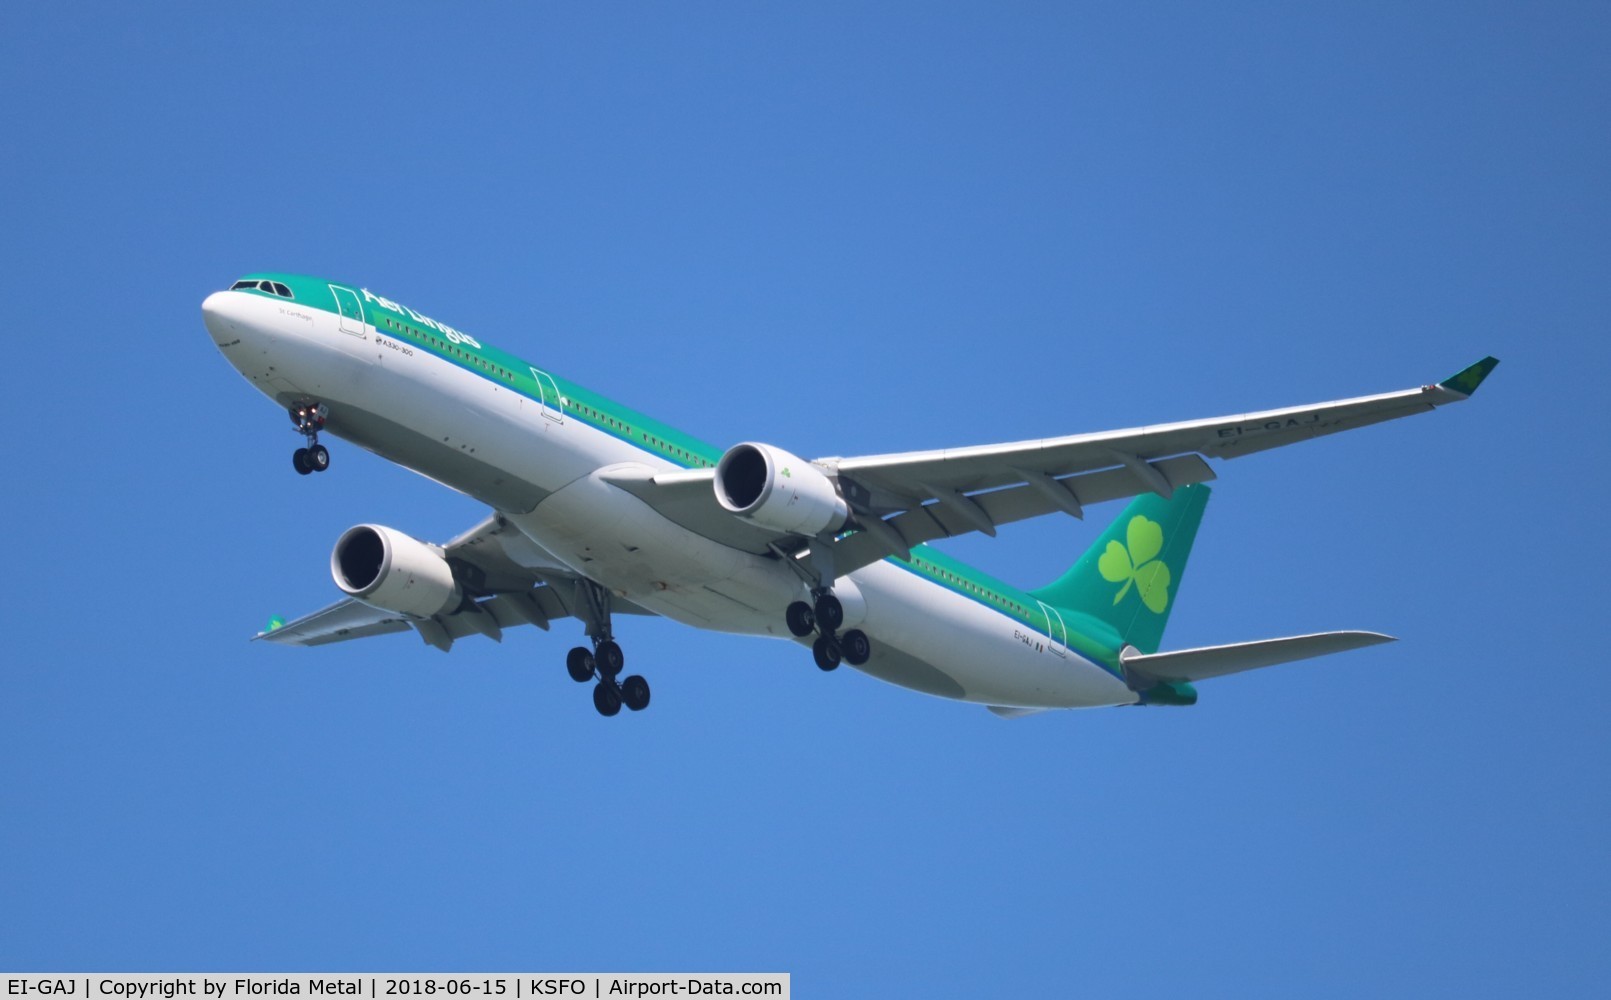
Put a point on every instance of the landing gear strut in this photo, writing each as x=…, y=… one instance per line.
x=309, y=419
x=605, y=660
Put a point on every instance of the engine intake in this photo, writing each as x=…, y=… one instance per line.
x=387, y=569
x=769, y=487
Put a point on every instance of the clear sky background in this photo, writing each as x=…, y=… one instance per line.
x=844, y=229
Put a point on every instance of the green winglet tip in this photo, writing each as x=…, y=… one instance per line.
x=1467, y=381
x=275, y=624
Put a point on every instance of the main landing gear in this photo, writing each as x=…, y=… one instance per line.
x=605, y=660
x=309, y=420
x=824, y=615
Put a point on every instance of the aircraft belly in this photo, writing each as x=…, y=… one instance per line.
x=618, y=541
x=462, y=448
x=427, y=415
x=971, y=646
x=923, y=636
x=446, y=460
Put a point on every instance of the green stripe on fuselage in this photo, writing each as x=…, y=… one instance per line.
x=1087, y=636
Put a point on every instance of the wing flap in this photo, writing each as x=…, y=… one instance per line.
x=1218, y=661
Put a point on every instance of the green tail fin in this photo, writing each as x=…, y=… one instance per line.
x=1129, y=577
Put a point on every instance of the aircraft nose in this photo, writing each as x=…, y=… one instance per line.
x=218, y=313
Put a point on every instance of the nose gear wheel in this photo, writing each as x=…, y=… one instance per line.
x=309, y=419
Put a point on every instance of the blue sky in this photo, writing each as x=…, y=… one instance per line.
x=844, y=231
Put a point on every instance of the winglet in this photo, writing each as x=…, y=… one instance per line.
x=1467, y=381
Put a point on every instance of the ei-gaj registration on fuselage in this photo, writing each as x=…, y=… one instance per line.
x=598, y=512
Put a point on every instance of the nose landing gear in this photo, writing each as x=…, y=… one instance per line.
x=309, y=419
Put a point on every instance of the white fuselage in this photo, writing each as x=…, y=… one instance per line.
x=543, y=471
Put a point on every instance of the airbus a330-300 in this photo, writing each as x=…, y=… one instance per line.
x=597, y=511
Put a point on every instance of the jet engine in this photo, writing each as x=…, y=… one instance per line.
x=769, y=487
x=389, y=570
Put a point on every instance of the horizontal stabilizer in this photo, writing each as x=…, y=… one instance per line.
x=1217, y=661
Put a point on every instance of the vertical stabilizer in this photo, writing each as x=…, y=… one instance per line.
x=1129, y=577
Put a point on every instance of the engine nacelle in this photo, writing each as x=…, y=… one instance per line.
x=389, y=570
x=774, y=489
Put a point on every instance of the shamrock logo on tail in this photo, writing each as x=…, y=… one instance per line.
x=1136, y=564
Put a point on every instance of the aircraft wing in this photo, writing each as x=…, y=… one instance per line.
x=902, y=500
x=348, y=619
x=507, y=580
x=900, y=480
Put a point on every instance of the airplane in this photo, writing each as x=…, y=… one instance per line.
x=598, y=511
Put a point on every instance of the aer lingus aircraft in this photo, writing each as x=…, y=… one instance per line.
x=599, y=511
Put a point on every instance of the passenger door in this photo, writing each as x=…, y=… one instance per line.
x=550, y=402
x=351, y=309
x=1056, y=631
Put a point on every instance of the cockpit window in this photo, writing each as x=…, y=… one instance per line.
x=272, y=287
